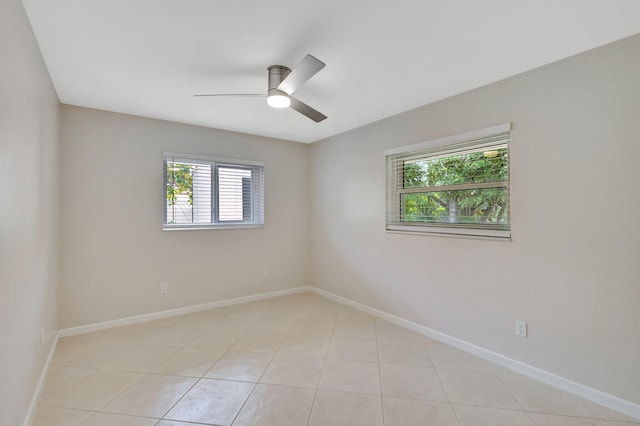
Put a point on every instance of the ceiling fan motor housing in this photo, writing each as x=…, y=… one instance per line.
x=277, y=73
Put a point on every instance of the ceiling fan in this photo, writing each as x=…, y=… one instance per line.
x=283, y=82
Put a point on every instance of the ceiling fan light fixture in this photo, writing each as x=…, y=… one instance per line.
x=278, y=100
x=283, y=82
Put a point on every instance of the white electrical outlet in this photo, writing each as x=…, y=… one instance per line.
x=521, y=328
x=265, y=274
x=163, y=288
x=347, y=279
x=42, y=337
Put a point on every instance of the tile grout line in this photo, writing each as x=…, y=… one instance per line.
x=446, y=393
x=123, y=391
x=375, y=331
x=194, y=383
x=573, y=416
x=258, y=379
x=163, y=417
x=179, y=399
x=261, y=375
x=530, y=412
x=433, y=365
x=324, y=363
x=515, y=398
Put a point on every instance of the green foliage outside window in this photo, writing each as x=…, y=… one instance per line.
x=179, y=181
x=473, y=206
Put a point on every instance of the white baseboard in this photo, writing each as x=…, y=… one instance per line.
x=43, y=376
x=89, y=328
x=602, y=398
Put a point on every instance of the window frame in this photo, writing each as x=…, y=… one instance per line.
x=257, y=184
x=442, y=146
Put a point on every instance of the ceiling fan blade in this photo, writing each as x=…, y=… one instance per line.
x=306, y=110
x=306, y=69
x=247, y=95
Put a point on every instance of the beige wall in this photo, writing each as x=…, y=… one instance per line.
x=28, y=193
x=114, y=252
x=572, y=270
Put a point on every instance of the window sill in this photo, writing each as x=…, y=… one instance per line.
x=209, y=227
x=443, y=231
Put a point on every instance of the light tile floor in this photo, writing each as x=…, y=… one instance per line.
x=298, y=360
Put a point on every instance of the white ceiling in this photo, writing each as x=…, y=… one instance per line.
x=148, y=57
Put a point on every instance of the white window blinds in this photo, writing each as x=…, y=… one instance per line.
x=455, y=185
x=205, y=192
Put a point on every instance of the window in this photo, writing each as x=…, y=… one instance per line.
x=205, y=192
x=454, y=185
